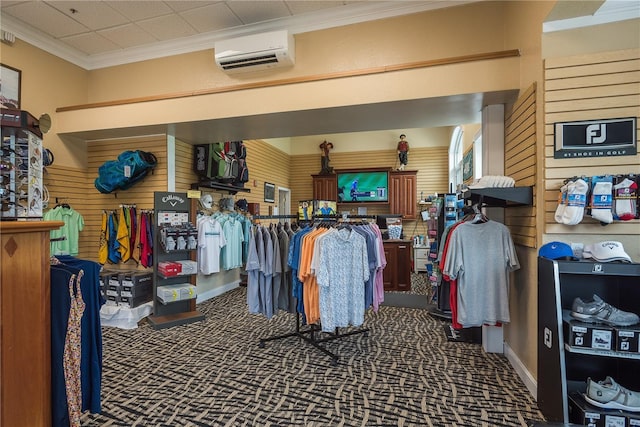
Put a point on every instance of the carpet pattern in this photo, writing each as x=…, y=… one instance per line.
x=403, y=372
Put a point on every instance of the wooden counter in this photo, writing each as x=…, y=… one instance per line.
x=25, y=323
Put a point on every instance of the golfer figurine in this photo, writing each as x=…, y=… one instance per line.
x=326, y=169
x=403, y=151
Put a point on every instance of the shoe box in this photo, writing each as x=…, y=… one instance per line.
x=127, y=289
x=598, y=336
x=595, y=336
x=136, y=284
x=136, y=288
x=583, y=413
x=628, y=339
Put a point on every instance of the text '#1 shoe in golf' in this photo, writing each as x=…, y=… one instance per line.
x=611, y=395
x=600, y=311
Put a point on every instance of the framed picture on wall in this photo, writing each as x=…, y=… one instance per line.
x=269, y=192
x=467, y=165
x=10, y=79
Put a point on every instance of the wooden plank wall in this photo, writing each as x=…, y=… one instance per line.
x=140, y=194
x=266, y=164
x=184, y=166
x=589, y=87
x=520, y=164
x=69, y=185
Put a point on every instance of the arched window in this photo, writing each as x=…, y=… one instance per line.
x=455, y=159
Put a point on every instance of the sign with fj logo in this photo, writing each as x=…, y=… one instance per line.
x=595, y=138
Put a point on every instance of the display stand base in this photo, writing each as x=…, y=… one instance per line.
x=439, y=314
x=310, y=336
x=468, y=335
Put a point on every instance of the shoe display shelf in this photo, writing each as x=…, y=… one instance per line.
x=570, y=352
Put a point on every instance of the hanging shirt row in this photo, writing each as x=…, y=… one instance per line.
x=476, y=257
x=76, y=339
x=335, y=272
x=221, y=241
x=269, y=286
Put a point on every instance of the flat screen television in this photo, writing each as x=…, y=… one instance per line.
x=305, y=210
x=325, y=208
x=363, y=186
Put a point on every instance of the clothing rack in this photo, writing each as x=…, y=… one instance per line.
x=275, y=216
x=311, y=334
x=314, y=339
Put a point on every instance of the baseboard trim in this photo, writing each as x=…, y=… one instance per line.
x=217, y=291
x=522, y=371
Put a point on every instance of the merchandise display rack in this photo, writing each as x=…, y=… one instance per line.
x=566, y=365
x=311, y=334
x=181, y=311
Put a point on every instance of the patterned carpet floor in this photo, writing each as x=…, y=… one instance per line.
x=402, y=372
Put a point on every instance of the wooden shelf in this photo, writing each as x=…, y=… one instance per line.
x=231, y=189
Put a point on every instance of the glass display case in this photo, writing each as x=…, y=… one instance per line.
x=21, y=187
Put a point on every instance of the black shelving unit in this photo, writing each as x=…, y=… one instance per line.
x=563, y=369
x=500, y=196
x=220, y=186
x=183, y=311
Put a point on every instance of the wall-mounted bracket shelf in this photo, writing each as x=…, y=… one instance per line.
x=501, y=196
x=231, y=189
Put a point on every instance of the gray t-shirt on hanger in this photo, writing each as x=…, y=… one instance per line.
x=480, y=256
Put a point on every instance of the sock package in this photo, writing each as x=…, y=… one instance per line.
x=576, y=201
x=626, y=194
x=601, y=199
x=562, y=202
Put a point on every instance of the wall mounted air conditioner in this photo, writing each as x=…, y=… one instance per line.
x=255, y=52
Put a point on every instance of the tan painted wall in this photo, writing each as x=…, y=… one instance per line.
x=431, y=35
x=523, y=25
x=47, y=83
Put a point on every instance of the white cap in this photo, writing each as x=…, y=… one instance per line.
x=606, y=252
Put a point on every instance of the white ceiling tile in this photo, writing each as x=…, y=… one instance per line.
x=250, y=12
x=167, y=27
x=93, y=14
x=91, y=43
x=181, y=6
x=211, y=18
x=298, y=7
x=126, y=36
x=45, y=18
x=136, y=10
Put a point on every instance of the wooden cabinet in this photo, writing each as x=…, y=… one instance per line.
x=25, y=334
x=403, y=189
x=325, y=187
x=397, y=273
